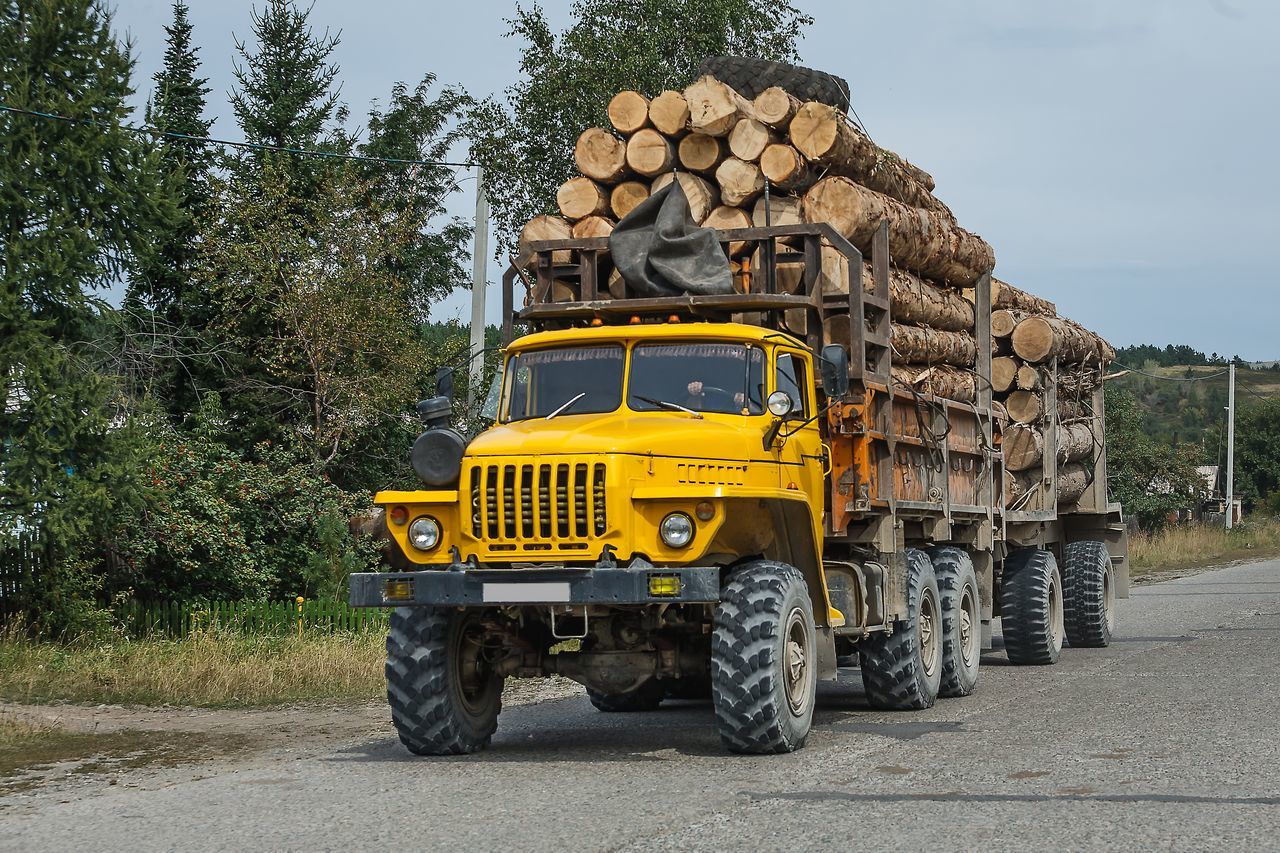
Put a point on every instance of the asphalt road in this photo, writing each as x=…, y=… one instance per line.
x=1166, y=739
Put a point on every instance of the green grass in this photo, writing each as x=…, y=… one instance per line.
x=1190, y=546
x=219, y=669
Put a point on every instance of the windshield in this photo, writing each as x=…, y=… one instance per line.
x=704, y=377
x=568, y=381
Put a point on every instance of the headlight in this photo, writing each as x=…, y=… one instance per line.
x=424, y=534
x=676, y=530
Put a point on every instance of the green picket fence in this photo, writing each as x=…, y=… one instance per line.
x=183, y=618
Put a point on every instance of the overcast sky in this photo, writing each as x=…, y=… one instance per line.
x=1119, y=156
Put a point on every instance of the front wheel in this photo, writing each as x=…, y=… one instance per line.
x=444, y=698
x=763, y=659
x=961, y=620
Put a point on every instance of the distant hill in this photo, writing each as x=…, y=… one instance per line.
x=1192, y=411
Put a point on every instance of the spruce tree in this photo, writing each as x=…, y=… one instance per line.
x=165, y=286
x=71, y=196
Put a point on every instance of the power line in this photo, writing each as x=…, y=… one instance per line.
x=231, y=143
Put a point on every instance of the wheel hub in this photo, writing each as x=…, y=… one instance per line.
x=796, y=662
x=968, y=646
x=930, y=648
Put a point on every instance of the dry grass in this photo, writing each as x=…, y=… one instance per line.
x=1196, y=545
x=212, y=669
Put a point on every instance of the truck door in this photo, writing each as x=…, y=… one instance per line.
x=800, y=457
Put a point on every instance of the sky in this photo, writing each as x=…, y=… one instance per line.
x=1119, y=156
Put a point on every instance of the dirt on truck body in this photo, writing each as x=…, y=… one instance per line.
x=725, y=496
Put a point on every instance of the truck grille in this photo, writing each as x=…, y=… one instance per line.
x=538, y=504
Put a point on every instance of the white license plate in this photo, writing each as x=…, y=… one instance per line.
x=526, y=593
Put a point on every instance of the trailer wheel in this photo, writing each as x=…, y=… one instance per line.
x=961, y=620
x=902, y=671
x=763, y=659
x=1031, y=607
x=751, y=76
x=444, y=699
x=646, y=697
x=1088, y=594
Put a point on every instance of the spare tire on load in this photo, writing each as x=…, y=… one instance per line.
x=750, y=77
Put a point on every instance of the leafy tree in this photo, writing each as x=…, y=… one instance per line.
x=1257, y=478
x=311, y=299
x=72, y=194
x=1152, y=480
x=567, y=80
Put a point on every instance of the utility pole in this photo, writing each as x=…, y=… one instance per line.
x=479, y=264
x=1231, y=442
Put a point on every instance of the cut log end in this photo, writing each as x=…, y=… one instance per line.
x=699, y=152
x=649, y=153
x=600, y=155
x=629, y=112
x=626, y=196
x=581, y=197
x=669, y=113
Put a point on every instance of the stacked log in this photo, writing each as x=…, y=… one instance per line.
x=777, y=160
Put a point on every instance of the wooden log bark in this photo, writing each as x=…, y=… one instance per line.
x=776, y=106
x=749, y=138
x=626, y=196
x=740, y=182
x=1004, y=372
x=1072, y=410
x=581, y=197
x=923, y=242
x=785, y=168
x=1024, y=445
x=1024, y=407
x=669, y=113
x=783, y=210
x=1005, y=295
x=592, y=226
x=1077, y=382
x=547, y=228
x=824, y=136
x=920, y=344
x=715, y=107
x=940, y=380
x=600, y=155
x=833, y=276
x=1005, y=320
x=628, y=112
x=701, y=153
x=1073, y=479
x=913, y=300
x=703, y=195
x=1028, y=378
x=1038, y=339
x=649, y=153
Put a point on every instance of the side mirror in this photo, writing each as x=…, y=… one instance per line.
x=444, y=382
x=835, y=370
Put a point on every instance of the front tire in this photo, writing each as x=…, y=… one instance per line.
x=1031, y=607
x=902, y=671
x=1088, y=594
x=444, y=699
x=961, y=620
x=763, y=660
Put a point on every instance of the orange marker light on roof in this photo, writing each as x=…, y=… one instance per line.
x=635, y=319
x=674, y=318
x=596, y=321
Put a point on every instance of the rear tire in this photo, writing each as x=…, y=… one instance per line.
x=1031, y=607
x=763, y=659
x=443, y=698
x=646, y=697
x=902, y=671
x=961, y=620
x=1088, y=594
x=750, y=77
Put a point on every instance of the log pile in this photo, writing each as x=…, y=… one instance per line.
x=813, y=164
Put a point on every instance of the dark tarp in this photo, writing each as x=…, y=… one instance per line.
x=661, y=251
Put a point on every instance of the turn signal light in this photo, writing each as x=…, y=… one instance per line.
x=664, y=586
x=399, y=515
x=398, y=589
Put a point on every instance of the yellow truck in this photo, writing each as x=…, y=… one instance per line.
x=685, y=497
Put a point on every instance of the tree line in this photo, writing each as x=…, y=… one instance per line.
x=216, y=432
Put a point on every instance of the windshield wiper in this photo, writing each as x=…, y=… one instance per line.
x=671, y=406
x=567, y=404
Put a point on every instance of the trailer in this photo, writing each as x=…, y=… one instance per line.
x=730, y=497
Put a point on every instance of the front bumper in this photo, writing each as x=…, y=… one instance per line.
x=484, y=587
